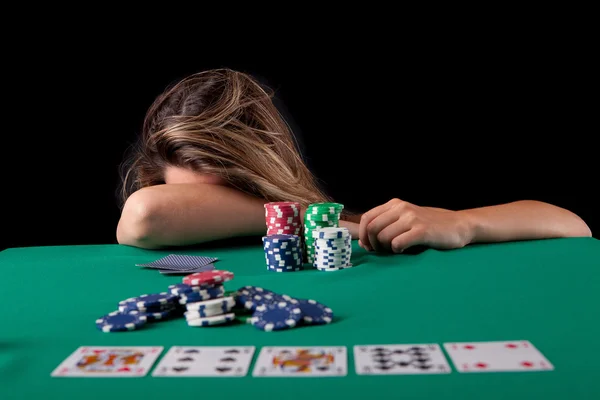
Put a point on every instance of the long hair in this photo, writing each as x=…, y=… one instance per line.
x=221, y=122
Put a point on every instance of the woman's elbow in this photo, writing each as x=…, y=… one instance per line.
x=577, y=228
x=135, y=227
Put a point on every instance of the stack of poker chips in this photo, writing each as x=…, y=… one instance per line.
x=202, y=294
x=333, y=249
x=283, y=218
x=283, y=242
x=135, y=312
x=283, y=253
x=273, y=311
x=317, y=216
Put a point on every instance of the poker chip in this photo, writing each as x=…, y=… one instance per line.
x=283, y=217
x=315, y=313
x=148, y=301
x=155, y=316
x=332, y=248
x=318, y=216
x=206, y=279
x=182, y=288
x=225, y=304
x=120, y=322
x=133, y=305
x=276, y=316
x=202, y=295
x=283, y=253
x=210, y=321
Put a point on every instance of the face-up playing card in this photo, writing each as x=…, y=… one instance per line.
x=301, y=362
x=179, y=262
x=208, y=267
x=204, y=361
x=103, y=362
x=397, y=359
x=519, y=355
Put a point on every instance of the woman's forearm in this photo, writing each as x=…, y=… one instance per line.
x=522, y=220
x=186, y=214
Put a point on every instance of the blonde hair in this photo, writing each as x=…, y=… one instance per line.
x=221, y=122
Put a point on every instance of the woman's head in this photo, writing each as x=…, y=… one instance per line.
x=220, y=126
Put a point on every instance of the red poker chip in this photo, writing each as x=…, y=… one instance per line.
x=208, y=278
x=282, y=204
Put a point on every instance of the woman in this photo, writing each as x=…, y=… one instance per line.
x=214, y=149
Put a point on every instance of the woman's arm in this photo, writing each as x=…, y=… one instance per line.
x=397, y=225
x=186, y=214
x=523, y=220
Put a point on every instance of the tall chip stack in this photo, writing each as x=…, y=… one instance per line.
x=317, y=216
x=333, y=249
x=283, y=242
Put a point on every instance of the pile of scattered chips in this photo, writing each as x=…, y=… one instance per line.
x=333, y=249
x=272, y=311
x=317, y=216
x=283, y=253
x=283, y=218
x=203, y=300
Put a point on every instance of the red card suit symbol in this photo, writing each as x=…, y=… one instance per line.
x=511, y=346
x=469, y=347
x=527, y=364
x=124, y=369
x=481, y=365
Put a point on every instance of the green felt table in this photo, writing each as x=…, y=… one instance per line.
x=545, y=291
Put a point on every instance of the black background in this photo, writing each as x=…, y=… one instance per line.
x=452, y=125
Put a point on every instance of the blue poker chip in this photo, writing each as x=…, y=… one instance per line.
x=315, y=313
x=181, y=288
x=132, y=305
x=155, y=299
x=155, y=316
x=202, y=295
x=249, y=297
x=276, y=316
x=119, y=322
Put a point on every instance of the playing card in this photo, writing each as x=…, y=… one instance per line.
x=179, y=262
x=208, y=267
x=396, y=359
x=102, y=362
x=199, y=361
x=301, y=362
x=519, y=355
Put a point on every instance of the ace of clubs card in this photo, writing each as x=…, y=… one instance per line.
x=199, y=361
x=398, y=359
x=104, y=362
x=301, y=362
x=502, y=356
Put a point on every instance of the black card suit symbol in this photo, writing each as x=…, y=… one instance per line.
x=399, y=351
x=404, y=363
x=323, y=368
x=423, y=359
x=228, y=359
x=185, y=359
x=223, y=369
x=442, y=367
x=192, y=351
x=425, y=366
x=385, y=367
x=232, y=351
x=180, y=369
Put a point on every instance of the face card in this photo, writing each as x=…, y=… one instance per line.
x=399, y=359
x=208, y=267
x=103, y=362
x=205, y=361
x=179, y=262
x=301, y=362
x=501, y=356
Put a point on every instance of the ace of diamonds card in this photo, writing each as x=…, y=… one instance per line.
x=104, y=362
x=501, y=356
